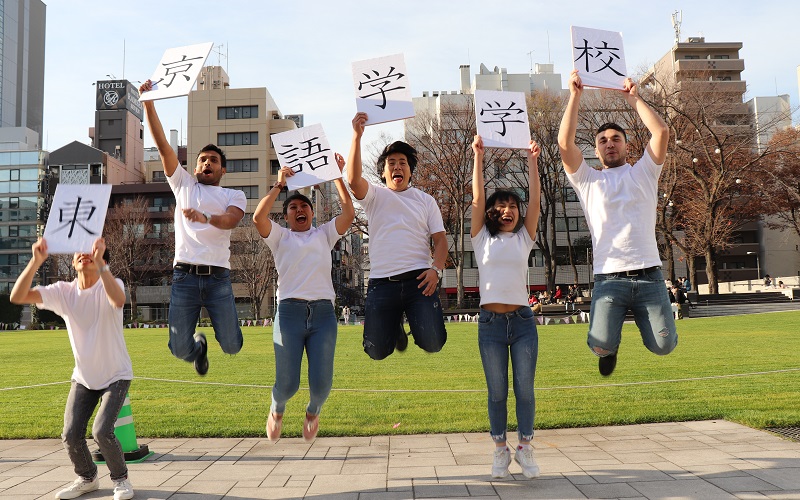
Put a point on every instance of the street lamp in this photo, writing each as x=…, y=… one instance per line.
x=758, y=264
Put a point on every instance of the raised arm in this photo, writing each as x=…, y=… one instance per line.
x=659, y=132
x=169, y=158
x=534, y=190
x=571, y=155
x=357, y=182
x=478, y=189
x=115, y=294
x=344, y=219
x=261, y=215
x=22, y=293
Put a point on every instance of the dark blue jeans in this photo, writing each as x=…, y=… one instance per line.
x=190, y=293
x=81, y=403
x=303, y=325
x=501, y=336
x=383, y=316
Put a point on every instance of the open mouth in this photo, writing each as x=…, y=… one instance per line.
x=397, y=178
x=507, y=219
x=207, y=171
x=301, y=219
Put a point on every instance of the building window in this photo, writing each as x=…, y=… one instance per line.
x=691, y=57
x=13, y=231
x=274, y=166
x=244, y=165
x=237, y=112
x=96, y=169
x=13, y=202
x=536, y=259
x=720, y=56
x=14, y=174
x=283, y=195
x=250, y=192
x=569, y=194
x=237, y=139
x=159, y=176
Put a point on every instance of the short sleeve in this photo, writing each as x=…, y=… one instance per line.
x=435, y=223
x=52, y=297
x=276, y=234
x=331, y=234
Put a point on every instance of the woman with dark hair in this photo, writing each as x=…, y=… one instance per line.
x=306, y=318
x=506, y=325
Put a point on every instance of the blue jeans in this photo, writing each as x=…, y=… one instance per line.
x=190, y=293
x=646, y=296
x=81, y=403
x=299, y=325
x=383, y=316
x=499, y=335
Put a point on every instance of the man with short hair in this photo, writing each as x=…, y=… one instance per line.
x=619, y=202
x=204, y=217
x=403, y=279
x=91, y=306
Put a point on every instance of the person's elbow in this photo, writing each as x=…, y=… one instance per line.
x=16, y=299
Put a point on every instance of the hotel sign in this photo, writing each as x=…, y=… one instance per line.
x=119, y=94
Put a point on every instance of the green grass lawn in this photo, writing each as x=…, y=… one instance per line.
x=743, y=368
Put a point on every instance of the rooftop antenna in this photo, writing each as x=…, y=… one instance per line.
x=677, y=18
x=220, y=55
x=530, y=54
x=549, y=57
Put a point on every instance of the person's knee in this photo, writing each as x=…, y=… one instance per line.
x=375, y=352
x=234, y=346
x=103, y=431
x=601, y=352
x=72, y=435
x=666, y=341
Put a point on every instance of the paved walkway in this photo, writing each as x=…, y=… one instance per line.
x=692, y=460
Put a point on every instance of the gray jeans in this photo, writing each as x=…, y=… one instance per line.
x=81, y=403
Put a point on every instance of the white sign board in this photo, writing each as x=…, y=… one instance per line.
x=382, y=89
x=176, y=73
x=502, y=119
x=307, y=152
x=599, y=58
x=77, y=217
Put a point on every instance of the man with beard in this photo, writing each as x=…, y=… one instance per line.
x=205, y=213
x=619, y=202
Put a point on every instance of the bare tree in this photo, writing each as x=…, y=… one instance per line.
x=253, y=264
x=132, y=245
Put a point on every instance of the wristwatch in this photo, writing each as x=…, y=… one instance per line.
x=208, y=217
x=438, y=271
x=105, y=269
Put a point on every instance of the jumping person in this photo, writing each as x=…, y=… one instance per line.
x=204, y=216
x=306, y=318
x=619, y=202
x=91, y=306
x=506, y=325
x=402, y=221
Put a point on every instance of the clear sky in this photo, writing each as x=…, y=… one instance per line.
x=302, y=50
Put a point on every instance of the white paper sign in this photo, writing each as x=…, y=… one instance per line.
x=599, y=58
x=77, y=217
x=307, y=152
x=382, y=89
x=502, y=119
x=176, y=73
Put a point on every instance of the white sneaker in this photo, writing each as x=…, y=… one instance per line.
x=123, y=490
x=524, y=457
x=78, y=488
x=502, y=458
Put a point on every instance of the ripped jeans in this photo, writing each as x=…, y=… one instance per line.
x=499, y=335
x=646, y=296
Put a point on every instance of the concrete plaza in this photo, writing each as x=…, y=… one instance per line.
x=688, y=460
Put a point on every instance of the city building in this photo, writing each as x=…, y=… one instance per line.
x=240, y=122
x=22, y=35
x=715, y=69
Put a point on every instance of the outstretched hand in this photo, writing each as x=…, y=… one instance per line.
x=575, y=84
x=477, y=146
x=39, y=250
x=359, y=123
x=339, y=161
x=146, y=87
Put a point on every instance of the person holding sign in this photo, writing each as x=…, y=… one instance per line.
x=506, y=324
x=619, y=202
x=204, y=216
x=306, y=317
x=91, y=306
x=402, y=221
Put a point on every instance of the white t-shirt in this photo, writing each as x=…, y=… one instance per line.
x=198, y=242
x=303, y=261
x=503, y=265
x=620, y=208
x=400, y=226
x=95, y=332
